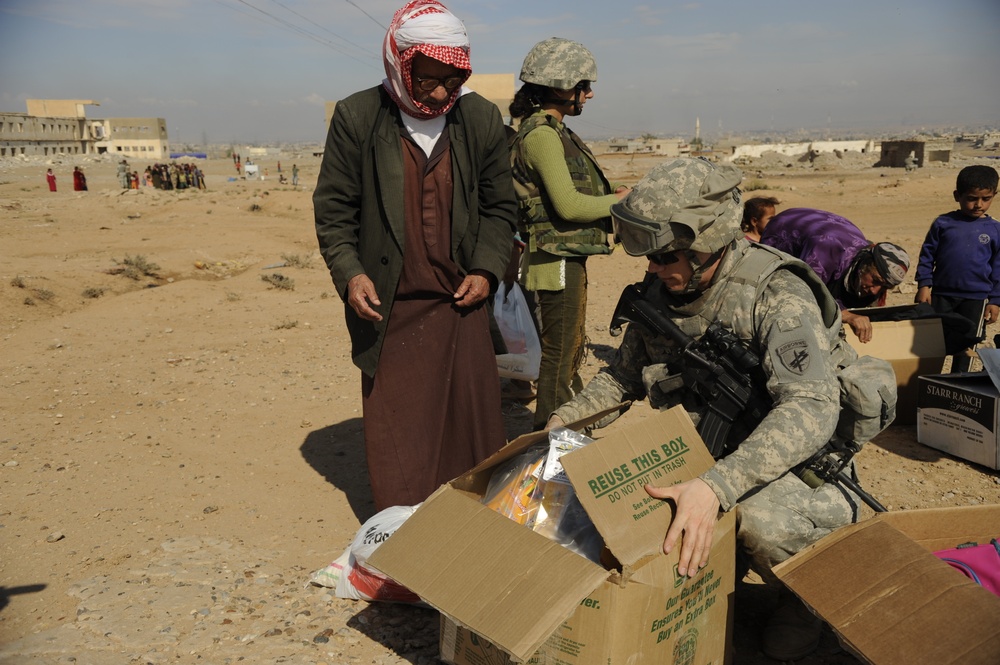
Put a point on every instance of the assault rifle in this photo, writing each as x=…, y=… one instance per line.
x=824, y=468
x=718, y=369
x=724, y=373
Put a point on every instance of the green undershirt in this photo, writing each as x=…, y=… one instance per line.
x=543, y=152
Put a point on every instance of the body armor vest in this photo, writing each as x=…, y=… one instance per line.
x=537, y=218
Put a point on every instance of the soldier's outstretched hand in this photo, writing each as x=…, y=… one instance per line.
x=697, y=509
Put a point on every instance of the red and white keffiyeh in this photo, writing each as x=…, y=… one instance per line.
x=423, y=26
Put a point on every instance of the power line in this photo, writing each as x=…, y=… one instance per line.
x=351, y=2
x=310, y=21
x=296, y=29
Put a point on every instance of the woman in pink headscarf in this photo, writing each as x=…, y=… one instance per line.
x=415, y=215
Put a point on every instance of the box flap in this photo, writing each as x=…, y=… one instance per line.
x=486, y=572
x=944, y=528
x=609, y=475
x=991, y=363
x=892, y=601
x=899, y=340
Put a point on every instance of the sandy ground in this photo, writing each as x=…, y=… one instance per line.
x=180, y=451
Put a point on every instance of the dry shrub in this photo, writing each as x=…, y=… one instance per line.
x=134, y=267
x=754, y=185
x=296, y=260
x=279, y=281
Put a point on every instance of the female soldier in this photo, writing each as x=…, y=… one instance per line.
x=564, y=202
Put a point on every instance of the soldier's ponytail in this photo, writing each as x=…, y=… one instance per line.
x=527, y=100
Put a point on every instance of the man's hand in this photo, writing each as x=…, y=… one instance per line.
x=861, y=325
x=923, y=295
x=554, y=422
x=991, y=314
x=697, y=511
x=473, y=290
x=360, y=292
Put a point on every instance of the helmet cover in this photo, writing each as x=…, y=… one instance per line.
x=685, y=203
x=558, y=63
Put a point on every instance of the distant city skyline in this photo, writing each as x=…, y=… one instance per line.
x=260, y=71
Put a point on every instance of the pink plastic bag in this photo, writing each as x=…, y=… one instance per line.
x=980, y=563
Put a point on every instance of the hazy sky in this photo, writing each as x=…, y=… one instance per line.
x=260, y=70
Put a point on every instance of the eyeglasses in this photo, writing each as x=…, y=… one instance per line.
x=430, y=84
x=664, y=259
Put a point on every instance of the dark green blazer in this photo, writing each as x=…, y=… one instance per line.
x=358, y=201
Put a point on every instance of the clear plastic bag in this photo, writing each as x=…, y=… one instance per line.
x=512, y=486
x=560, y=516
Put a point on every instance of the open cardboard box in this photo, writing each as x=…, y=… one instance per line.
x=960, y=413
x=891, y=600
x=914, y=347
x=508, y=594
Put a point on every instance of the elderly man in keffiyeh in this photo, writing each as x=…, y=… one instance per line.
x=415, y=214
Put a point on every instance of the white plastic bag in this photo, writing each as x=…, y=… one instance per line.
x=350, y=577
x=515, y=322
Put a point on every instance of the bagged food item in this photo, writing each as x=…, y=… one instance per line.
x=560, y=515
x=351, y=578
x=532, y=489
x=512, y=486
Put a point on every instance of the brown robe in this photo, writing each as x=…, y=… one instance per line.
x=432, y=410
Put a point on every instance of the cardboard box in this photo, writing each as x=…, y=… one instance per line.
x=960, y=413
x=511, y=595
x=890, y=600
x=914, y=348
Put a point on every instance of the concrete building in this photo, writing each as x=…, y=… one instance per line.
x=894, y=153
x=143, y=139
x=23, y=134
x=498, y=88
x=653, y=146
x=60, y=127
x=793, y=149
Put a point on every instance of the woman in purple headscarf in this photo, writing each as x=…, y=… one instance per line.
x=858, y=273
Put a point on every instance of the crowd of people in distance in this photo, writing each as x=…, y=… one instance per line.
x=171, y=176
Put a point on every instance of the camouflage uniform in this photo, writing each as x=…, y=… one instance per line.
x=799, y=343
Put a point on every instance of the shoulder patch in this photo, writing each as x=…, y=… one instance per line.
x=795, y=356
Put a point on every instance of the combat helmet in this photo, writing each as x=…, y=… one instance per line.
x=558, y=63
x=684, y=204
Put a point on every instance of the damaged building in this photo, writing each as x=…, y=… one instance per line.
x=54, y=127
x=894, y=153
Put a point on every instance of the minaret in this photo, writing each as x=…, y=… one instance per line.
x=697, y=129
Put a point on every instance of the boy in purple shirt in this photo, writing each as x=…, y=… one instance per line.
x=959, y=264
